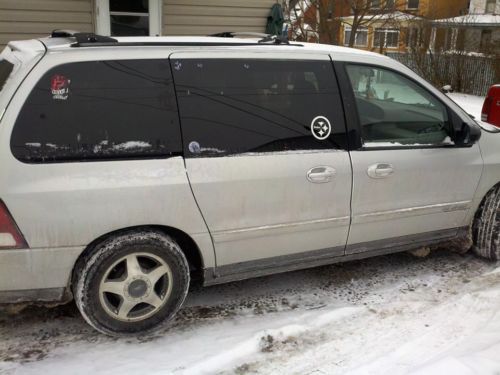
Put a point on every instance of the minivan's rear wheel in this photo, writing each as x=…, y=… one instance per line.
x=131, y=283
x=486, y=227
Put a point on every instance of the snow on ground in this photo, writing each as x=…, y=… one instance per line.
x=393, y=314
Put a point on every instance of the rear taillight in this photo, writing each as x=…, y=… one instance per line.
x=486, y=108
x=10, y=235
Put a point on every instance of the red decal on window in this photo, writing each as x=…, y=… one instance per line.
x=59, y=87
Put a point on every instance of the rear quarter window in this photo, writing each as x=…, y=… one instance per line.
x=5, y=71
x=99, y=110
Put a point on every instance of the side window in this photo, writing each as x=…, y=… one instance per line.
x=99, y=110
x=235, y=106
x=394, y=110
x=5, y=71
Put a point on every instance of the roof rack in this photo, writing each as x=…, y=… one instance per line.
x=82, y=38
x=59, y=33
x=239, y=34
x=265, y=38
x=274, y=39
x=94, y=40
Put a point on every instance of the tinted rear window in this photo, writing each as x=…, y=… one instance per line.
x=234, y=106
x=99, y=110
x=5, y=70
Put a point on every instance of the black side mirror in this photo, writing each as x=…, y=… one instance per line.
x=468, y=134
x=464, y=133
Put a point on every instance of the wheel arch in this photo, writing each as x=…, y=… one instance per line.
x=188, y=246
x=478, y=203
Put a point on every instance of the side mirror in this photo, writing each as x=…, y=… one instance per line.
x=468, y=134
x=465, y=133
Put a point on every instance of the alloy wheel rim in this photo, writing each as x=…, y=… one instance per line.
x=135, y=287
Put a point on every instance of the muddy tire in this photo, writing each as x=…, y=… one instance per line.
x=131, y=283
x=486, y=227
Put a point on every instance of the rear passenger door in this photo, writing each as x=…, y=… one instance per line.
x=265, y=150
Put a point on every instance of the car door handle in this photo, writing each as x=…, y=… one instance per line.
x=380, y=170
x=321, y=174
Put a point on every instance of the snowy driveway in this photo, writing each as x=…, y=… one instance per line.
x=392, y=314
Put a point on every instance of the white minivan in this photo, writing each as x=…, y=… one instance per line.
x=130, y=166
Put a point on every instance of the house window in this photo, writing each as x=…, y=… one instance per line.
x=413, y=38
x=388, y=38
x=128, y=17
x=361, y=38
x=490, y=6
x=413, y=4
x=485, y=40
x=378, y=4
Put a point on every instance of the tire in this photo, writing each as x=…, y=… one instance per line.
x=486, y=227
x=132, y=283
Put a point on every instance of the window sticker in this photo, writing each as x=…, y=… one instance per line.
x=59, y=87
x=321, y=127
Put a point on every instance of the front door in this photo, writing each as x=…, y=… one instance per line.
x=410, y=181
x=264, y=144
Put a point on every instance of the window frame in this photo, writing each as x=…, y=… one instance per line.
x=412, y=8
x=353, y=122
x=490, y=7
x=360, y=28
x=486, y=38
x=412, y=38
x=385, y=31
x=377, y=6
x=103, y=17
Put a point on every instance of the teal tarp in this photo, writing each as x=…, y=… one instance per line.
x=275, y=21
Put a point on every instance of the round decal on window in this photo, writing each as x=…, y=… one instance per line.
x=321, y=127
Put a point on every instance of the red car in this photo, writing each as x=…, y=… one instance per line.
x=491, y=106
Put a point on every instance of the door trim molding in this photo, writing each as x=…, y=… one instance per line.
x=411, y=211
x=269, y=230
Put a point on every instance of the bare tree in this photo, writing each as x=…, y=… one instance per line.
x=363, y=13
x=313, y=20
x=298, y=16
x=451, y=52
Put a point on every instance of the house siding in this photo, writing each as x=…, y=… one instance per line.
x=203, y=17
x=27, y=19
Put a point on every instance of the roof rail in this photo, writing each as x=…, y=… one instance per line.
x=59, y=33
x=265, y=38
x=82, y=38
x=274, y=39
x=239, y=34
x=90, y=39
x=94, y=40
